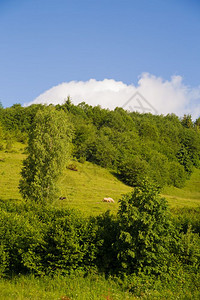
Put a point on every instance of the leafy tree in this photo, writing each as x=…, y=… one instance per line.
x=191, y=140
x=133, y=169
x=48, y=148
x=184, y=159
x=146, y=231
x=177, y=174
x=187, y=121
x=197, y=123
x=106, y=153
x=148, y=130
x=159, y=167
x=84, y=140
x=190, y=248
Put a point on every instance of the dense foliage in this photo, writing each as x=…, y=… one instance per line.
x=164, y=148
x=48, y=151
x=147, y=235
x=142, y=238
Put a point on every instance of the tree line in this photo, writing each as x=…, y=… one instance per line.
x=163, y=148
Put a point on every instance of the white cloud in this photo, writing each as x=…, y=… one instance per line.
x=163, y=96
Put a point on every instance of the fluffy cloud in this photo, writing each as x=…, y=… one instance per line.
x=152, y=94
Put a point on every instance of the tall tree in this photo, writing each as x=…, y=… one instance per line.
x=48, y=151
x=187, y=121
x=147, y=234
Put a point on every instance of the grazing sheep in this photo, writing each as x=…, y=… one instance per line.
x=62, y=198
x=110, y=200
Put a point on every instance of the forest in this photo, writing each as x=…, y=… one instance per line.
x=164, y=148
x=146, y=249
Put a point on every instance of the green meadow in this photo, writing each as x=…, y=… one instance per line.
x=96, y=287
x=85, y=188
x=188, y=196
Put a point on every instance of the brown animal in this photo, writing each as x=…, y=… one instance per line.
x=109, y=200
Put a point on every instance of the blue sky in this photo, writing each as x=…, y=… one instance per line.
x=44, y=43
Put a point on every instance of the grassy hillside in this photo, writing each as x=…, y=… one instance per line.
x=85, y=188
x=188, y=196
x=10, y=167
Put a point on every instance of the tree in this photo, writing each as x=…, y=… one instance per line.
x=197, y=123
x=133, y=169
x=49, y=149
x=146, y=232
x=187, y=121
x=185, y=160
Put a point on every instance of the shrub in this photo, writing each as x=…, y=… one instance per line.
x=133, y=169
x=146, y=233
x=107, y=235
x=190, y=248
x=72, y=167
x=20, y=241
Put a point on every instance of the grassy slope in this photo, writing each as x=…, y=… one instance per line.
x=93, y=287
x=10, y=167
x=188, y=196
x=86, y=188
x=83, y=189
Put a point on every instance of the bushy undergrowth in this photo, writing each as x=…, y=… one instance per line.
x=142, y=239
x=186, y=217
x=94, y=286
x=44, y=240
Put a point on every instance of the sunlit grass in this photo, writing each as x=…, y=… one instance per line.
x=10, y=167
x=188, y=196
x=94, y=287
x=84, y=189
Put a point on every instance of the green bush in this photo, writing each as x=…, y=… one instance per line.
x=39, y=239
x=132, y=170
x=142, y=239
x=147, y=234
x=70, y=243
x=190, y=248
x=20, y=240
x=177, y=175
x=106, y=238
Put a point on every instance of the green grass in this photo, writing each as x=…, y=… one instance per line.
x=96, y=287
x=84, y=189
x=93, y=287
x=10, y=167
x=189, y=196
